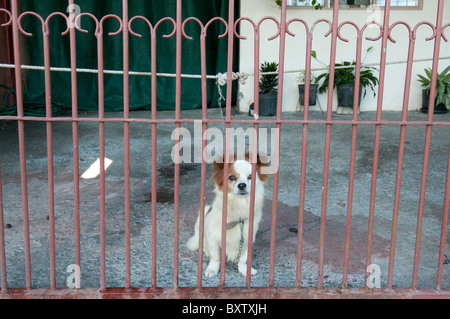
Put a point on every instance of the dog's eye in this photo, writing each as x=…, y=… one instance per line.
x=232, y=178
x=249, y=177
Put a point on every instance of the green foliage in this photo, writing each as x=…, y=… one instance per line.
x=268, y=82
x=347, y=76
x=442, y=85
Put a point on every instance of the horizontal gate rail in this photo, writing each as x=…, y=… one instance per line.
x=227, y=293
x=260, y=121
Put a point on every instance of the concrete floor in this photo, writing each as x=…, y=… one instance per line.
x=288, y=201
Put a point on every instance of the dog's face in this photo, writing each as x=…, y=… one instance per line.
x=239, y=175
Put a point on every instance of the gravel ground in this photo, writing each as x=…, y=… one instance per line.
x=287, y=205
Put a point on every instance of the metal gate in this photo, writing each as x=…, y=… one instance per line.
x=13, y=19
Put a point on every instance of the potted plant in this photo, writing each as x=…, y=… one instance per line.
x=268, y=89
x=313, y=87
x=344, y=82
x=442, y=96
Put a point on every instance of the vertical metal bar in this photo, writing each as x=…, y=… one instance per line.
x=203, y=168
x=2, y=239
x=154, y=148
x=401, y=151
x=327, y=143
x=444, y=227
x=301, y=211
x=351, y=177
x=226, y=159
x=23, y=166
x=177, y=144
x=76, y=169
x=227, y=140
x=126, y=142
x=256, y=49
x=101, y=115
x=426, y=155
x=276, y=157
x=384, y=44
x=9, y=50
x=51, y=198
x=202, y=207
x=253, y=158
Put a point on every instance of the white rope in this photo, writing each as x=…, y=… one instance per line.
x=117, y=72
x=353, y=66
x=221, y=78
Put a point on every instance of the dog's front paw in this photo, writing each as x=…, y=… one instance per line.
x=212, y=269
x=243, y=270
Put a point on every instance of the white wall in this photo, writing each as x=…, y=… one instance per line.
x=296, y=47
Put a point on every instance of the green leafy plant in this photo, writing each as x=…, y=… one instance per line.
x=345, y=74
x=442, y=85
x=268, y=82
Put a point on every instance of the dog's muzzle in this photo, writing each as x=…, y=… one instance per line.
x=242, y=189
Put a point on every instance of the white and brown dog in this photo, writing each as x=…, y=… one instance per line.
x=238, y=211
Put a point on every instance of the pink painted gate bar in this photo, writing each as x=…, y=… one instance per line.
x=13, y=19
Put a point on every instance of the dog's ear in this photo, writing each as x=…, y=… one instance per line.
x=217, y=174
x=218, y=165
x=261, y=165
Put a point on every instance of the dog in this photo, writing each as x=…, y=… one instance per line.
x=238, y=212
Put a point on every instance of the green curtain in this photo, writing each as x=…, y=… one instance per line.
x=139, y=53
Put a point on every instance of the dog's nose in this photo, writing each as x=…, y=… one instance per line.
x=242, y=186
